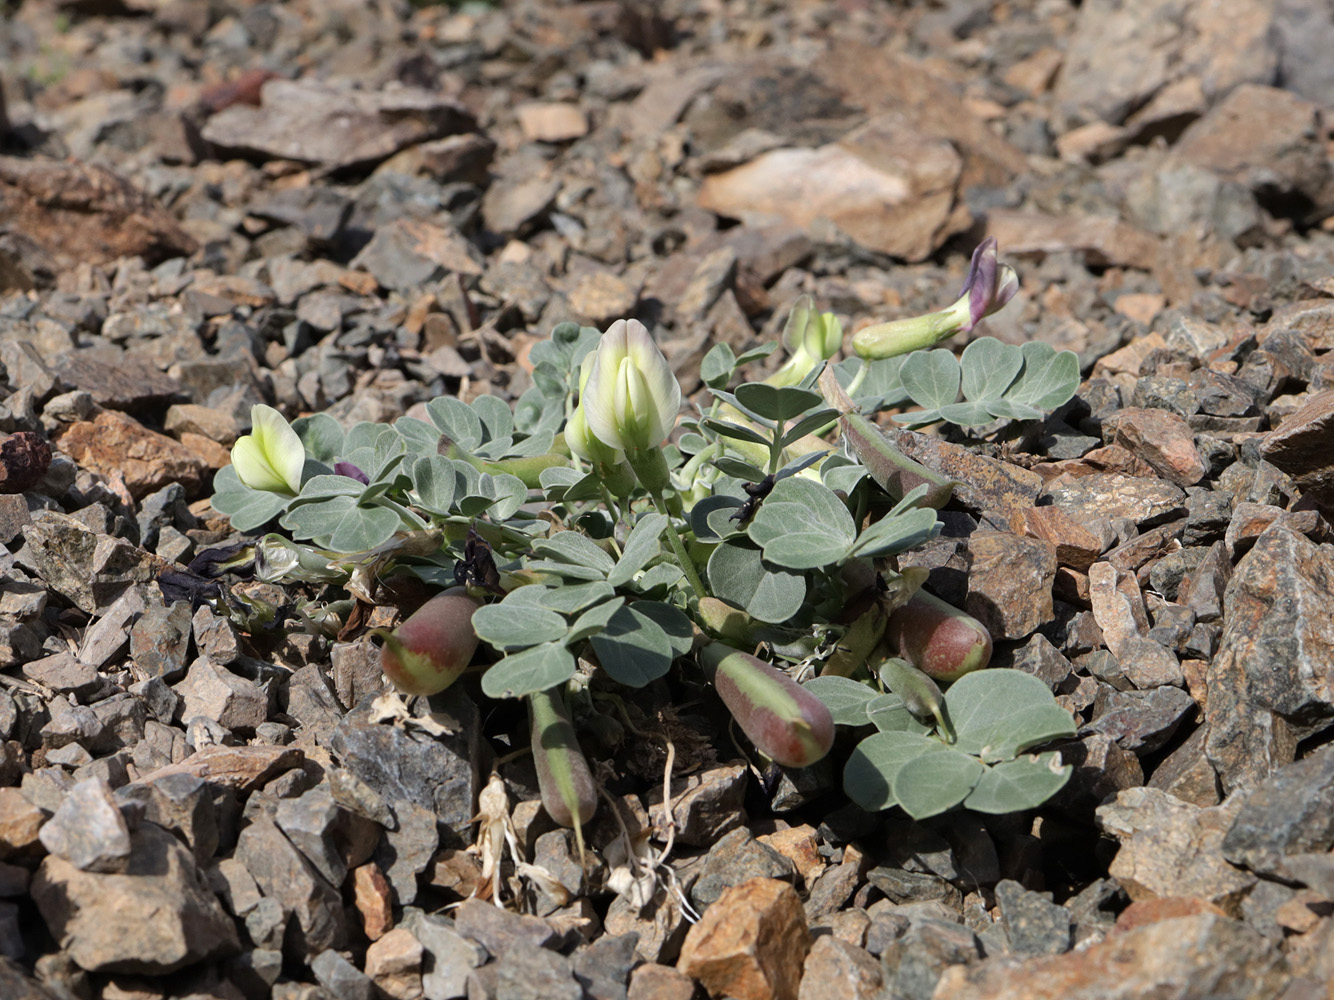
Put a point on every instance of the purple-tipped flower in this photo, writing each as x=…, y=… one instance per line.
x=989, y=284
x=352, y=472
x=988, y=287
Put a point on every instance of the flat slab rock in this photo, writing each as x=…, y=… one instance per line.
x=155, y=917
x=1199, y=957
x=1271, y=683
x=316, y=123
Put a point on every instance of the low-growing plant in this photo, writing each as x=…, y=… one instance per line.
x=604, y=538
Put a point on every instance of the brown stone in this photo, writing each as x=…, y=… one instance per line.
x=1263, y=137
x=244, y=768
x=884, y=184
x=601, y=297
x=1172, y=848
x=374, y=899
x=1163, y=439
x=1105, y=241
x=837, y=970
x=1144, y=912
x=117, y=445
x=20, y=822
x=985, y=484
x=652, y=981
x=799, y=845
x=1010, y=583
x=1270, y=681
x=79, y=213
x=394, y=962
x=1076, y=546
x=1187, y=958
x=1304, y=448
x=1115, y=605
x=750, y=944
x=551, y=121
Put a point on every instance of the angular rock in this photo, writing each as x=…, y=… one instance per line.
x=216, y=693
x=313, y=122
x=88, y=568
x=1280, y=157
x=660, y=982
x=499, y=931
x=1171, y=848
x=924, y=953
x=407, y=253
x=1187, y=958
x=1304, y=448
x=901, y=186
x=154, y=918
x=450, y=957
x=1147, y=664
x=837, y=970
x=340, y=977
x=438, y=774
x=160, y=641
x=1270, y=683
x=704, y=806
x=116, y=445
x=535, y=974
x=1009, y=583
x=1147, y=502
x=1286, y=814
x=88, y=829
x=751, y=944
x=286, y=877
x=81, y=213
x=1141, y=721
x=1163, y=440
x=20, y=824
x=394, y=964
x=734, y=859
x=406, y=850
x=1033, y=924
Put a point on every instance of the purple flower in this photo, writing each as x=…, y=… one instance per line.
x=989, y=284
x=352, y=472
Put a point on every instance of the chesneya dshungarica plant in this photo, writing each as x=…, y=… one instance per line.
x=569, y=793
x=603, y=536
x=431, y=649
x=787, y=723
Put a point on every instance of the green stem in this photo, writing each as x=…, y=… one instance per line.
x=858, y=379
x=678, y=547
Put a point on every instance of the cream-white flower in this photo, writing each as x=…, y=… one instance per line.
x=271, y=456
x=631, y=399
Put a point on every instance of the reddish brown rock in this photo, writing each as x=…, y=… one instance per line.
x=78, y=213
x=1162, y=439
x=1076, y=546
x=1172, y=848
x=652, y=981
x=884, y=185
x=837, y=970
x=799, y=845
x=1265, y=138
x=1010, y=583
x=1144, y=912
x=1304, y=448
x=1186, y=958
x=394, y=962
x=750, y=944
x=1103, y=240
x=374, y=899
x=20, y=822
x=117, y=445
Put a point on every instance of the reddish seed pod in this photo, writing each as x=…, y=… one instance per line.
x=430, y=650
x=939, y=639
x=785, y=721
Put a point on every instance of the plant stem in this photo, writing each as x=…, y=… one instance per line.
x=858, y=379
x=678, y=547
